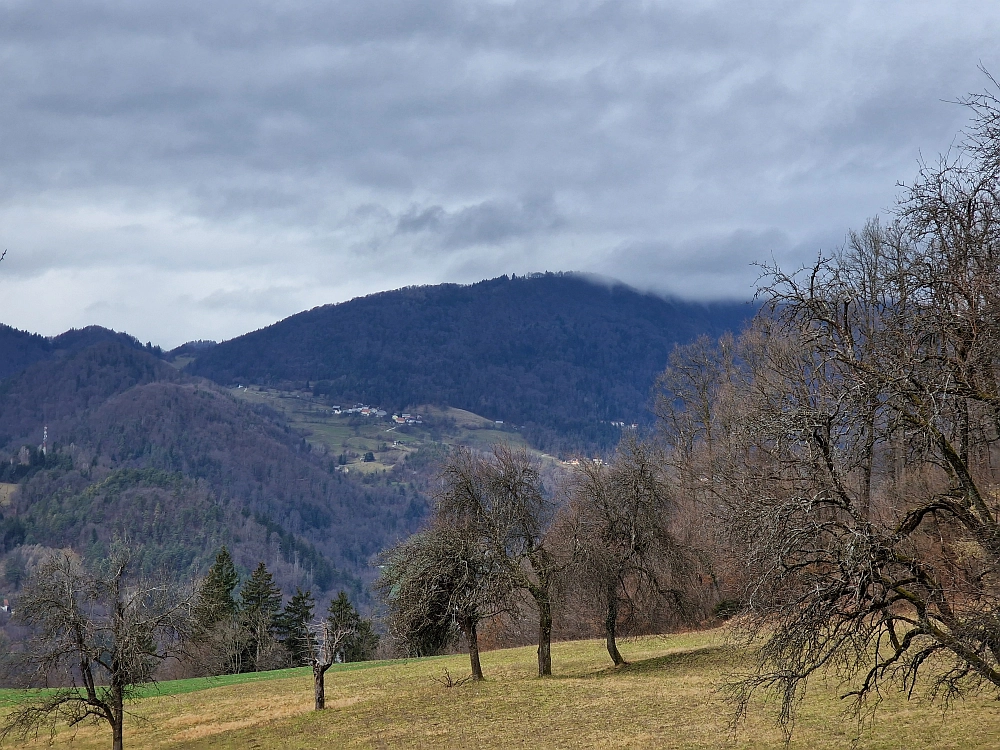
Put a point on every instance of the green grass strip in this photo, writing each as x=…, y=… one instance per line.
x=11, y=696
x=194, y=684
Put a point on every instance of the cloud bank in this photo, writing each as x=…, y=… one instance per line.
x=196, y=170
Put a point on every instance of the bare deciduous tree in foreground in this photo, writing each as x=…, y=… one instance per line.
x=101, y=635
x=497, y=499
x=617, y=520
x=860, y=471
x=328, y=638
x=439, y=577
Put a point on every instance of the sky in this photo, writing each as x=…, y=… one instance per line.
x=196, y=170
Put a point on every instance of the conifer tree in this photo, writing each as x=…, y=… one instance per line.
x=215, y=602
x=293, y=626
x=260, y=593
x=260, y=604
x=362, y=640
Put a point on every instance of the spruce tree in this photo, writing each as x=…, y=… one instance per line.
x=362, y=640
x=260, y=603
x=293, y=626
x=215, y=601
x=260, y=593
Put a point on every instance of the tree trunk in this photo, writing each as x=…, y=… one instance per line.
x=611, y=625
x=319, y=685
x=469, y=629
x=544, y=635
x=118, y=718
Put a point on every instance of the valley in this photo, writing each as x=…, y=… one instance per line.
x=240, y=443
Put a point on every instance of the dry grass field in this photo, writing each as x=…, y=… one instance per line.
x=665, y=698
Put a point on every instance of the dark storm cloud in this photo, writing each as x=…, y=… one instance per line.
x=191, y=170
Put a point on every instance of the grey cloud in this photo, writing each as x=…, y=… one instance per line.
x=486, y=223
x=353, y=146
x=268, y=300
x=720, y=266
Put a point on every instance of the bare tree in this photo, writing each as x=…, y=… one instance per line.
x=693, y=400
x=99, y=636
x=439, y=577
x=625, y=555
x=687, y=394
x=328, y=637
x=498, y=498
x=866, y=421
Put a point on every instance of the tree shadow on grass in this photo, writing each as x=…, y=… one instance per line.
x=684, y=661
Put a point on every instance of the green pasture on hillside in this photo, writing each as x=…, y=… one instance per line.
x=337, y=433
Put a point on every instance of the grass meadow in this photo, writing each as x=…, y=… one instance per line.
x=665, y=698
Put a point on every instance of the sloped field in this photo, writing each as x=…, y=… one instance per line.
x=665, y=698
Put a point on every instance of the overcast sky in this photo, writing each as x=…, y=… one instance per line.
x=185, y=170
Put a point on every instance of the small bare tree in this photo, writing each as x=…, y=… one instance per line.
x=328, y=637
x=98, y=635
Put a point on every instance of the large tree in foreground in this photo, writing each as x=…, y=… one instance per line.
x=498, y=502
x=440, y=578
x=861, y=475
x=100, y=634
x=625, y=556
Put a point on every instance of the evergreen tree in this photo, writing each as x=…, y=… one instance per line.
x=293, y=626
x=260, y=604
x=362, y=640
x=260, y=593
x=215, y=602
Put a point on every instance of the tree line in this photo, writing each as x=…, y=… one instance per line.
x=497, y=542
x=251, y=631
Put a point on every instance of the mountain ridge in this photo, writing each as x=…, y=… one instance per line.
x=562, y=355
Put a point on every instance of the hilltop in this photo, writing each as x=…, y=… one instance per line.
x=20, y=349
x=561, y=356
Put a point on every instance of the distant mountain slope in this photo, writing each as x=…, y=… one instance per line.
x=560, y=354
x=20, y=349
x=181, y=467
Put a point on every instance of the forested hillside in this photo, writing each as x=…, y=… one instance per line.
x=19, y=349
x=181, y=467
x=560, y=355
